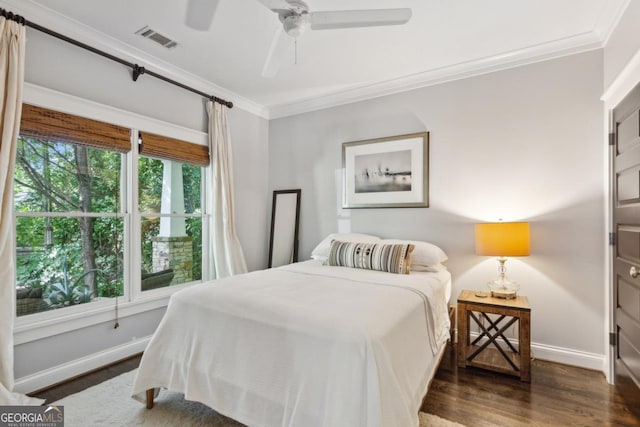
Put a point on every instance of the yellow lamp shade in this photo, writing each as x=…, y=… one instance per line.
x=502, y=239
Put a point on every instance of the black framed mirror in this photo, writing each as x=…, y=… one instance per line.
x=285, y=220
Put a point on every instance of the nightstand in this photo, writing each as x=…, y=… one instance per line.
x=491, y=349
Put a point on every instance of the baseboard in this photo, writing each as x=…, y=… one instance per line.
x=63, y=372
x=566, y=356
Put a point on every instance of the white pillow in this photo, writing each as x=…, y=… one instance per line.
x=321, y=251
x=425, y=254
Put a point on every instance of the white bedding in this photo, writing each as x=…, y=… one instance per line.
x=303, y=345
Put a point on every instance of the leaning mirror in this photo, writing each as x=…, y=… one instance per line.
x=285, y=218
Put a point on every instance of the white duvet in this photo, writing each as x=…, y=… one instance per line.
x=304, y=345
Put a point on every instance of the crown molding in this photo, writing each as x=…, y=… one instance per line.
x=538, y=53
x=596, y=39
x=55, y=21
x=626, y=80
x=609, y=19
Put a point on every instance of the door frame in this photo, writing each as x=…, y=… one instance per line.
x=621, y=86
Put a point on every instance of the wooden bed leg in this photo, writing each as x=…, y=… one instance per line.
x=453, y=330
x=150, y=396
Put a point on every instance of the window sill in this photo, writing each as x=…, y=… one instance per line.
x=50, y=323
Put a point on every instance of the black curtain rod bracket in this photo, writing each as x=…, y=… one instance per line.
x=136, y=69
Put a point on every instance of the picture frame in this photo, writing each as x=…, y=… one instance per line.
x=391, y=172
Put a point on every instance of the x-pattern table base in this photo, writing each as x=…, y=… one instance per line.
x=491, y=349
x=492, y=337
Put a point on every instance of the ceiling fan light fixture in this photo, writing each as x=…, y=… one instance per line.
x=294, y=25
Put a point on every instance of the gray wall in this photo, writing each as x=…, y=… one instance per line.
x=623, y=43
x=59, y=66
x=521, y=144
x=57, y=350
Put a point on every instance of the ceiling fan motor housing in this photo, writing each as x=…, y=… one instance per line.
x=298, y=6
x=295, y=19
x=295, y=24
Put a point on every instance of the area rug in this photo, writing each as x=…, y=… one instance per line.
x=110, y=404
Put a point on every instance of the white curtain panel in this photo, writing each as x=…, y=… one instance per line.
x=12, y=47
x=224, y=245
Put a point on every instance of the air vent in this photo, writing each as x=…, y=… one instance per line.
x=161, y=39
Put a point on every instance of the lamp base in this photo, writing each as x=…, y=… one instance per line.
x=503, y=288
x=504, y=293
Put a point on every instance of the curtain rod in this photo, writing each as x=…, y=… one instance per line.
x=136, y=69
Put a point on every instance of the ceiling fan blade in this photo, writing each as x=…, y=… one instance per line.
x=281, y=46
x=200, y=14
x=358, y=18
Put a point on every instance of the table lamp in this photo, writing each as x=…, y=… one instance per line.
x=503, y=239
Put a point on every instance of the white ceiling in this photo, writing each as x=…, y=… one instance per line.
x=444, y=39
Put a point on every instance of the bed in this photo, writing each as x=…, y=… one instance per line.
x=303, y=345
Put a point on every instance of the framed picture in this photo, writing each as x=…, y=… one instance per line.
x=388, y=172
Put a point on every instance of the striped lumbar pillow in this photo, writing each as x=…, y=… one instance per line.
x=393, y=258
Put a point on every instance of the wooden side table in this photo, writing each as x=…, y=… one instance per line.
x=503, y=358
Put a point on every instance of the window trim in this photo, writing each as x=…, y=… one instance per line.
x=46, y=324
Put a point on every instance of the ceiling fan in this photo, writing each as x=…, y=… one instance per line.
x=296, y=17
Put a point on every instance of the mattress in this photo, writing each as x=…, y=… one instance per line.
x=303, y=345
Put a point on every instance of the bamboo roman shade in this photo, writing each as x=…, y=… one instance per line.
x=39, y=122
x=166, y=148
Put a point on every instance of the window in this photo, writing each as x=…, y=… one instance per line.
x=72, y=179
x=68, y=231
x=67, y=201
x=170, y=206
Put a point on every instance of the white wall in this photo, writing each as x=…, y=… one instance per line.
x=520, y=144
x=54, y=64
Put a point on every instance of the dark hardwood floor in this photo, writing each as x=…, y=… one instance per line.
x=558, y=395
